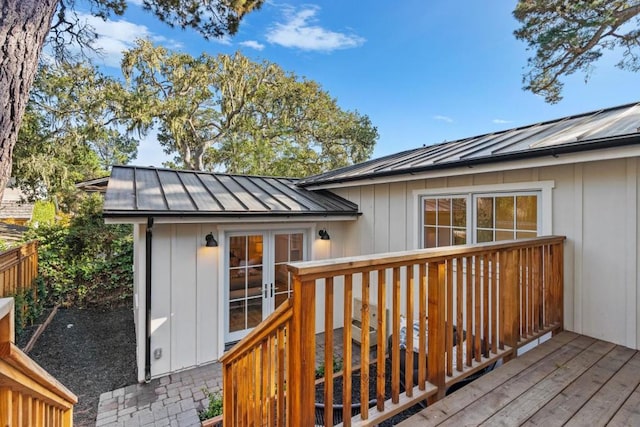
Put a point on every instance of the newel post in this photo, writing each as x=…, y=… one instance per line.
x=301, y=364
x=436, y=321
x=510, y=287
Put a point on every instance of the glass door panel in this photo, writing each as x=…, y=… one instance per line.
x=288, y=247
x=245, y=282
x=257, y=277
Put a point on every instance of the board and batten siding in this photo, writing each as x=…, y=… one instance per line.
x=594, y=204
x=187, y=301
x=184, y=298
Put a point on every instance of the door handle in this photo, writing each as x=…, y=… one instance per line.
x=265, y=291
x=272, y=289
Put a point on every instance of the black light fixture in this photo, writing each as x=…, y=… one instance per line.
x=211, y=241
x=324, y=235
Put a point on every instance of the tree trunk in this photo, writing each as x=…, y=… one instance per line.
x=24, y=25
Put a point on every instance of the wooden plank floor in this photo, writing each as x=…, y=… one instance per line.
x=570, y=380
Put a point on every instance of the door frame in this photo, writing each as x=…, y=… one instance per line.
x=226, y=230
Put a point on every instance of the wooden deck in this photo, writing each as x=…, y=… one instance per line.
x=570, y=380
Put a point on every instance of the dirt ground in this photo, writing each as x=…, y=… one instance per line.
x=90, y=351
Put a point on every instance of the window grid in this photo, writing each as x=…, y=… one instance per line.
x=480, y=218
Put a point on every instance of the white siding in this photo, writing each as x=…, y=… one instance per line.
x=595, y=205
x=161, y=294
x=186, y=304
x=184, y=321
x=139, y=306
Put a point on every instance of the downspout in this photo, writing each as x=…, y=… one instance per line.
x=147, y=350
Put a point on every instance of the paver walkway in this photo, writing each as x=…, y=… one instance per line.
x=176, y=399
x=173, y=400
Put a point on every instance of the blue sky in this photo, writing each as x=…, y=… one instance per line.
x=424, y=72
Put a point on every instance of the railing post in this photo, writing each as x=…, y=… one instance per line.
x=510, y=287
x=436, y=320
x=301, y=363
x=557, y=256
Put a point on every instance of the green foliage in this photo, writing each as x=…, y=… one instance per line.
x=84, y=261
x=71, y=132
x=230, y=113
x=337, y=367
x=44, y=212
x=215, y=405
x=569, y=36
x=29, y=304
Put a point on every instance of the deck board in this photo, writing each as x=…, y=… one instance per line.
x=539, y=394
x=570, y=379
x=560, y=409
x=604, y=405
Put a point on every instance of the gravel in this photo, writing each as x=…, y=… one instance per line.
x=91, y=351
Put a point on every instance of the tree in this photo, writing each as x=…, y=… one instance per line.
x=25, y=24
x=570, y=36
x=230, y=113
x=71, y=131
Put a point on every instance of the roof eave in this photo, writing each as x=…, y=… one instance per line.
x=190, y=214
x=556, y=150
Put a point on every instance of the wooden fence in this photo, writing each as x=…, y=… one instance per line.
x=18, y=269
x=499, y=295
x=29, y=395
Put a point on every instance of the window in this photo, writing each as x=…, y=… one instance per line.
x=479, y=217
x=445, y=221
x=506, y=217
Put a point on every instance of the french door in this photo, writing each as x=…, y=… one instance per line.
x=256, y=278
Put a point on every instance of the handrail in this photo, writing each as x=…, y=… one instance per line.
x=29, y=395
x=21, y=362
x=338, y=266
x=256, y=373
x=280, y=316
x=479, y=303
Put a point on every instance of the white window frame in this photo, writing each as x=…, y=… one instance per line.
x=544, y=189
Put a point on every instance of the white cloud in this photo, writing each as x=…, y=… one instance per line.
x=136, y=2
x=501, y=121
x=252, y=44
x=299, y=32
x=443, y=118
x=115, y=36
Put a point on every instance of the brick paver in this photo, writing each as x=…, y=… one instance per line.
x=173, y=400
x=176, y=399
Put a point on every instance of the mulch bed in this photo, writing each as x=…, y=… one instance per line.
x=91, y=351
x=355, y=392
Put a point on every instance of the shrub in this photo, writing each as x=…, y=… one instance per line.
x=28, y=308
x=215, y=405
x=84, y=261
x=44, y=212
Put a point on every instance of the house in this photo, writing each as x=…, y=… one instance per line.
x=577, y=176
x=15, y=209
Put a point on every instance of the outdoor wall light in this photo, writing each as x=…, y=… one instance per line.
x=211, y=241
x=324, y=235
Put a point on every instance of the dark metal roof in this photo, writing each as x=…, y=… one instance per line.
x=147, y=191
x=606, y=128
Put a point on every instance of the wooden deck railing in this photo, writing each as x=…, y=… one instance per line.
x=29, y=396
x=499, y=296
x=256, y=374
x=18, y=268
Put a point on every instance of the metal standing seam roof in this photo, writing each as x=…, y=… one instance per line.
x=148, y=191
x=605, y=128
